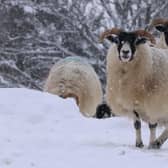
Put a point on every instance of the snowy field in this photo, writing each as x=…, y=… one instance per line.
x=39, y=130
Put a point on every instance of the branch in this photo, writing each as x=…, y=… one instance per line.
x=84, y=35
x=13, y=69
x=158, y=10
x=109, y=12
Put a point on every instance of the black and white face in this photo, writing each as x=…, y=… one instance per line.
x=126, y=44
x=164, y=29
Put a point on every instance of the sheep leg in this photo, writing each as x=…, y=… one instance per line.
x=103, y=111
x=137, y=126
x=160, y=141
x=152, y=128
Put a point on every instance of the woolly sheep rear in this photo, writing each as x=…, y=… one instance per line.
x=74, y=77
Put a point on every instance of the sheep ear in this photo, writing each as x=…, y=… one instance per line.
x=161, y=28
x=141, y=40
x=112, y=39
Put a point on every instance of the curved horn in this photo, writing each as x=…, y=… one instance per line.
x=107, y=33
x=144, y=33
x=158, y=21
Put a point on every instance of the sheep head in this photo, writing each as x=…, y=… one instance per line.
x=127, y=42
x=160, y=24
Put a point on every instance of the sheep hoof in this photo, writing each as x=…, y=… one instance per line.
x=155, y=145
x=103, y=111
x=139, y=144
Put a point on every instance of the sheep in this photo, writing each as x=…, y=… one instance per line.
x=74, y=77
x=137, y=81
x=162, y=26
x=162, y=42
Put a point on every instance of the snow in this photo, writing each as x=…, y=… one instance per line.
x=29, y=9
x=40, y=130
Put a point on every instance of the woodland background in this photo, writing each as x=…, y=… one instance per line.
x=34, y=34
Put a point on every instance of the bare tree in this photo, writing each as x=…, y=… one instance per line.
x=36, y=33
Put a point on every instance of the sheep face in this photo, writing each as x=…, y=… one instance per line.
x=161, y=25
x=163, y=29
x=126, y=44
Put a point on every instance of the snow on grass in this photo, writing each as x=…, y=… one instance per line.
x=40, y=130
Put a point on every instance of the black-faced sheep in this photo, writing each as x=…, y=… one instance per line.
x=162, y=26
x=74, y=77
x=137, y=81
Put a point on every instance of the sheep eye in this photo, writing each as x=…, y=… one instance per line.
x=116, y=40
x=111, y=39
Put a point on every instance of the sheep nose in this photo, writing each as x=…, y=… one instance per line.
x=125, y=51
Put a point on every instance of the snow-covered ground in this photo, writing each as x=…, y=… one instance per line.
x=44, y=131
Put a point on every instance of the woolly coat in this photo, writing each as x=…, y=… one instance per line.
x=74, y=77
x=140, y=85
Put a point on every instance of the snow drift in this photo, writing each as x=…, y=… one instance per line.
x=41, y=130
